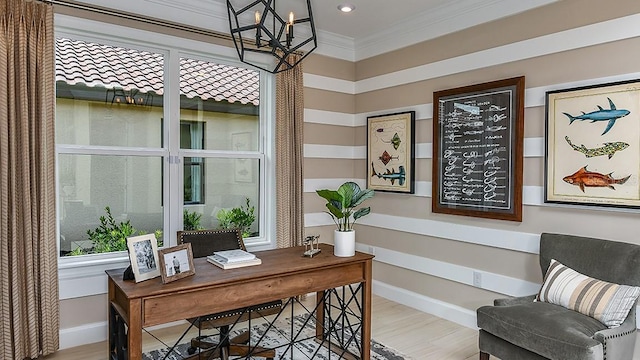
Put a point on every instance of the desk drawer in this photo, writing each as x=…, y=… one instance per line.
x=208, y=300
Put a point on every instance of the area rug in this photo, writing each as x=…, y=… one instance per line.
x=277, y=337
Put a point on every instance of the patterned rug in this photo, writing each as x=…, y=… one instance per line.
x=277, y=337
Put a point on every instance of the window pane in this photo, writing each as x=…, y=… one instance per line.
x=108, y=95
x=131, y=186
x=229, y=183
x=225, y=99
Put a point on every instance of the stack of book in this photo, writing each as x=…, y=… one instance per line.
x=230, y=259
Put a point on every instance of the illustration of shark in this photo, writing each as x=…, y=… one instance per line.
x=468, y=108
x=390, y=175
x=608, y=149
x=585, y=178
x=601, y=114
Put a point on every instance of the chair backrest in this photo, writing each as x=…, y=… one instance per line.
x=206, y=242
x=607, y=260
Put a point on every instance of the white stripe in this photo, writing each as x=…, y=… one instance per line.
x=595, y=34
x=503, y=239
x=533, y=147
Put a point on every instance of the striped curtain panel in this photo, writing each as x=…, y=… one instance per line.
x=289, y=157
x=28, y=252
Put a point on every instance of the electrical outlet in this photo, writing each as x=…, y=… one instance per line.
x=477, y=279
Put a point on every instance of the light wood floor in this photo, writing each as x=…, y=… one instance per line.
x=416, y=334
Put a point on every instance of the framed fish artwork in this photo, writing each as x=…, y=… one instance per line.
x=390, y=152
x=593, y=145
x=478, y=138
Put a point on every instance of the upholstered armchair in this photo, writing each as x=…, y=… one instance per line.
x=524, y=329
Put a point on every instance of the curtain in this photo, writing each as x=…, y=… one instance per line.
x=28, y=248
x=289, y=156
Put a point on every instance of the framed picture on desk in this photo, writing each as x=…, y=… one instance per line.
x=143, y=253
x=176, y=263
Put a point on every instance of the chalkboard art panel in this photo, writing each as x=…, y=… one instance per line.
x=390, y=152
x=478, y=141
x=593, y=145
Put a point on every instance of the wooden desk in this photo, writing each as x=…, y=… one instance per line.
x=283, y=273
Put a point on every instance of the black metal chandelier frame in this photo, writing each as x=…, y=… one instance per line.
x=277, y=42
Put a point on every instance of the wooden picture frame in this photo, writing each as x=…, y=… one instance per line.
x=391, y=152
x=143, y=254
x=176, y=262
x=478, y=140
x=592, y=155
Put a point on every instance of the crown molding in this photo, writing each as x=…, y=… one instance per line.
x=449, y=17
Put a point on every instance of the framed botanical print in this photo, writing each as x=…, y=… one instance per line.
x=593, y=145
x=390, y=152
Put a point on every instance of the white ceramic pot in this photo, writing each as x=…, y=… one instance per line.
x=344, y=243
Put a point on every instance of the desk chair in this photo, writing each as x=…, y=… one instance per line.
x=204, y=243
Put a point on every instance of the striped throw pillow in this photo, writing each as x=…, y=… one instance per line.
x=606, y=302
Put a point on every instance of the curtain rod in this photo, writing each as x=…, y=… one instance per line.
x=139, y=18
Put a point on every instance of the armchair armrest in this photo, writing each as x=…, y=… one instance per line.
x=514, y=300
x=619, y=342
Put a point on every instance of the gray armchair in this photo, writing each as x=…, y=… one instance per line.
x=521, y=329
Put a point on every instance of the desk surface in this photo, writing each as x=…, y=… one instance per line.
x=277, y=262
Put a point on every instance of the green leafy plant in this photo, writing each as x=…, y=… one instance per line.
x=191, y=220
x=110, y=236
x=238, y=217
x=342, y=204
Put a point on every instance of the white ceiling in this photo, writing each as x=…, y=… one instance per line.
x=375, y=27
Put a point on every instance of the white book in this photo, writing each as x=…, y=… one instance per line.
x=231, y=256
x=233, y=265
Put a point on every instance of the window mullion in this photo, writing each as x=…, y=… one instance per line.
x=174, y=170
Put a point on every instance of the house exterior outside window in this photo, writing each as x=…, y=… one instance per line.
x=135, y=152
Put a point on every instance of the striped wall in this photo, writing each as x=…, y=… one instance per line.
x=446, y=264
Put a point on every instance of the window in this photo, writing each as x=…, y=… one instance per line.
x=127, y=163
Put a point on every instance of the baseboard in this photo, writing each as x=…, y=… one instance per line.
x=441, y=309
x=96, y=332
x=84, y=334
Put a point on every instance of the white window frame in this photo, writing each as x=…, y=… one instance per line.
x=84, y=275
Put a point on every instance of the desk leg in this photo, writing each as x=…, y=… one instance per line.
x=366, y=312
x=320, y=316
x=135, y=330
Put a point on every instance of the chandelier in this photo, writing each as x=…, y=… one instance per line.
x=258, y=29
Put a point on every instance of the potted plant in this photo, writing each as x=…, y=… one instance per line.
x=342, y=205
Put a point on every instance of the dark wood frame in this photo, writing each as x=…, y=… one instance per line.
x=567, y=143
x=163, y=265
x=405, y=153
x=448, y=126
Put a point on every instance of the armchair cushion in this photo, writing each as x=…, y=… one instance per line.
x=607, y=302
x=547, y=329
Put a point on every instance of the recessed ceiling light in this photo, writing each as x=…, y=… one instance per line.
x=346, y=7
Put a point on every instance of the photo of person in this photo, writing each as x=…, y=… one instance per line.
x=144, y=256
x=176, y=262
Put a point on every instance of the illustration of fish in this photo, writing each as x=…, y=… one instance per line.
x=584, y=178
x=385, y=157
x=609, y=148
x=390, y=175
x=395, y=140
x=601, y=114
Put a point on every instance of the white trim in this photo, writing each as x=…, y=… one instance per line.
x=449, y=17
x=323, y=82
x=497, y=238
x=329, y=118
x=441, y=309
x=589, y=35
x=533, y=147
x=462, y=274
x=84, y=334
